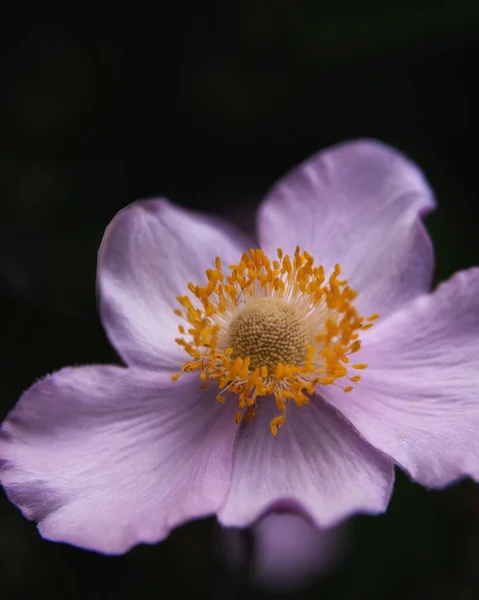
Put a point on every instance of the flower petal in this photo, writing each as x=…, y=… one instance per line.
x=356, y=204
x=105, y=458
x=317, y=464
x=291, y=552
x=418, y=401
x=149, y=253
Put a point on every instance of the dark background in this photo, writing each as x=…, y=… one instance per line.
x=209, y=107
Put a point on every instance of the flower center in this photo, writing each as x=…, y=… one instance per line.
x=271, y=328
x=269, y=331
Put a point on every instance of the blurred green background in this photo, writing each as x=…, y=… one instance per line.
x=208, y=106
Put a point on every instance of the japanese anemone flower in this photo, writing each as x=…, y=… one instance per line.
x=246, y=388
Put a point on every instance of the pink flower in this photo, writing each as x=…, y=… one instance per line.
x=289, y=552
x=105, y=457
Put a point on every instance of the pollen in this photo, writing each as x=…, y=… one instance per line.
x=280, y=328
x=269, y=331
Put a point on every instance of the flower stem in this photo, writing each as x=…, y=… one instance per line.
x=234, y=584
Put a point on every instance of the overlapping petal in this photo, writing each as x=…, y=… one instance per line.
x=418, y=400
x=317, y=464
x=149, y=253
x=105, y=457
x=357, y=204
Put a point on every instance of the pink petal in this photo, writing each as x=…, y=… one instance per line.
x=105, y=458
x=418, y=400
x=290, y=552
x=357, y=204
x=149, y=253
x=317, y=464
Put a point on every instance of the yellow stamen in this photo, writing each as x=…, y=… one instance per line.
x=276, y=423
x=276, y=328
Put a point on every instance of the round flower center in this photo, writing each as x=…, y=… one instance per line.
x=276, y=328
x=269, y=331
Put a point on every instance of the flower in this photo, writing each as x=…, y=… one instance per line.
x=105, y=457
x=289, y=552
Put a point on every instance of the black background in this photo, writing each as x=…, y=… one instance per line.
x=208, y=106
